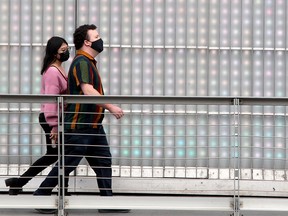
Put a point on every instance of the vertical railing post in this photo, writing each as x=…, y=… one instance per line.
x=236, y=157
x=61, y=176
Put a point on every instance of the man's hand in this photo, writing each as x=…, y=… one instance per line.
x=116, y=111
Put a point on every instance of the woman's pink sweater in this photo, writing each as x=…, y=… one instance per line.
x=52, y=83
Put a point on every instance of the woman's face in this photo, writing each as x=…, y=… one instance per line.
x=64, y=47
x=63, y=53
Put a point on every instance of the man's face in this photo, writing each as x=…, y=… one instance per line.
x=94, y=48
x=93, y=35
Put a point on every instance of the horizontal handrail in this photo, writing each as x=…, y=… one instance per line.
x=142, y=99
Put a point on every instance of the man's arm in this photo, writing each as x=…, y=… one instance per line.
x=89, y=90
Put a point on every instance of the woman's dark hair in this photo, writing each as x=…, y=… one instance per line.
x=53, y=44
x=80, y=35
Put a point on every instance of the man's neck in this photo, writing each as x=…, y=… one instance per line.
x=89, y=51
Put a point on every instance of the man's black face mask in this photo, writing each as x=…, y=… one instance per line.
x=97, y=45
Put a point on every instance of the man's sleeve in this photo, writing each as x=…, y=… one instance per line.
x=83, y=74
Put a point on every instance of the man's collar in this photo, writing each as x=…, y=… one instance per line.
x=81, y=52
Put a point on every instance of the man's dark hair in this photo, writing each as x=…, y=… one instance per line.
x=80, y=35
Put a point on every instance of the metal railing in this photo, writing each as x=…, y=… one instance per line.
x=229, y=146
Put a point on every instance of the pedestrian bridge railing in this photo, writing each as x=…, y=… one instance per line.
x=233, y=148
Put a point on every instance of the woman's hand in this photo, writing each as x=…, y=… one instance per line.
x=54, y=137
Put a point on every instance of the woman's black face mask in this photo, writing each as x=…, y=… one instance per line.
x=64, y=56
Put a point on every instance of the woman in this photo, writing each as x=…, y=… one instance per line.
x=54, y=81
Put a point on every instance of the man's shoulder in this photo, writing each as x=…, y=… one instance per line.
x=79, y=61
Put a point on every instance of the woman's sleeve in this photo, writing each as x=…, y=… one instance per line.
x=52, y=87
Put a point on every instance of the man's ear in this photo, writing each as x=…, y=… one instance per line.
x=87, y=43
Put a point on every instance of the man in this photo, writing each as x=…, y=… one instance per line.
x=84, y=133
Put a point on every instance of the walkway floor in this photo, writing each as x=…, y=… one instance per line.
x=31, y=212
